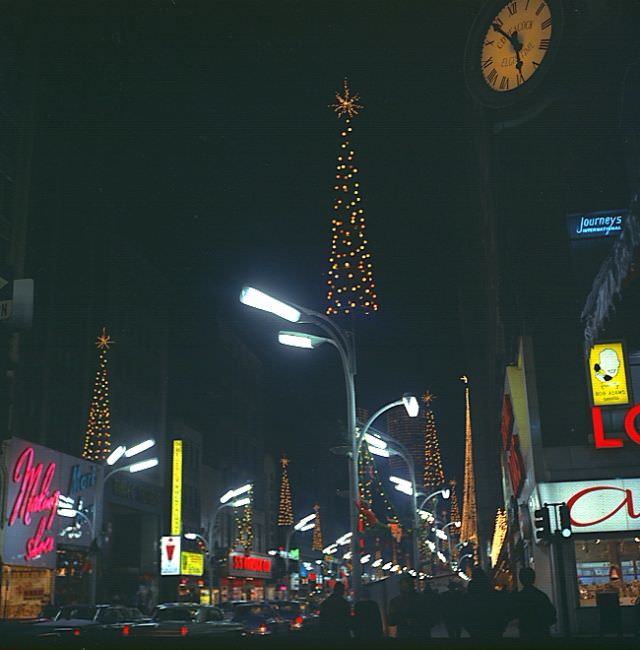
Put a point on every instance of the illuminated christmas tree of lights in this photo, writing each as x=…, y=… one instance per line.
x=351, y=287
x=97, y=439
x=433, y=471
x=469, y=530
x=285, y=511
x=244, y=524
x=316, y=542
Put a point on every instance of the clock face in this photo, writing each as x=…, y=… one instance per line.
x=515, y=44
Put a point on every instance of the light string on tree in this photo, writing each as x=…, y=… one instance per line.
x=316, y=543
x=433, y=470
x=97, y=439
x=244, y=524
x=351, y=287
x=285, y=511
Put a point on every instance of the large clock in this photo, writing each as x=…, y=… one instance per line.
x=511, y=48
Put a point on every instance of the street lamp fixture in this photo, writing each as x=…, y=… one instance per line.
x=116, y=455
x=139, y=448
x=304, y=521
x=343, y=342
x=255, y=298
x=142, y=465
x=411, y=404
x=239, y=503
x=232, y=494
x=301, y=340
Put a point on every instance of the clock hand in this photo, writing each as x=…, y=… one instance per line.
x=499, y=29
x=517, y=46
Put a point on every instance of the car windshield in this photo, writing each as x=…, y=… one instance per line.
x=86, y=613
x=254, y=610
x=176, y=614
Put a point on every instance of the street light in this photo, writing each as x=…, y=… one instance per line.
x=231, y=494
x=343, y=342
x=306, y=523
x=72, y=513
x=122, y=450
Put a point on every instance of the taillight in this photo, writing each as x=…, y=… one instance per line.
x=125, y=630
x=184, y=630
x=298, y=620
x=76, y=631
x=263, y=628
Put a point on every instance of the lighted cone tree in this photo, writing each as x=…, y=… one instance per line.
x=244, y=524
x=351, y=287
x=454, y=515
x=433, y=471
x=469, y=530
x=316, y=542
x=97, y=439
x=285, y=511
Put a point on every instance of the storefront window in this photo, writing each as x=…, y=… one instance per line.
x=608, y=565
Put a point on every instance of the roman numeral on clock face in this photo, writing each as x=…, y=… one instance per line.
x=487, y=62
x=513, y=8
x=546, y=24
x=544, y=44
x=492, y=76
x=540, y=9
x=504, y=83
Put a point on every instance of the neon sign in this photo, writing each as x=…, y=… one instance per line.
x=250, y=563
x=511, y=446
x=629, y=426
x=627, y=500
x=35, y=496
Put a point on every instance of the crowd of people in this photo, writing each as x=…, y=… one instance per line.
x=480, y=610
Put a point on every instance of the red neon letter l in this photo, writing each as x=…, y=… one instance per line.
x=598, y=431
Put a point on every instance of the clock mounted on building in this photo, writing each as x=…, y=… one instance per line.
x=511, y=48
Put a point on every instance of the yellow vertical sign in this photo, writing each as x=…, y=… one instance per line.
x=608, y=374
x=176, y=488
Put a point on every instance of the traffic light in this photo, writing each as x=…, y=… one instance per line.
x=565, y=521
x=542, y=523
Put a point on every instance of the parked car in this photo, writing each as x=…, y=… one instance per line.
x=296, y=615
x=180, y=620
x=260, y=619
x=228, y=606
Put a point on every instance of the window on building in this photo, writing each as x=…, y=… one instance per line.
x=608, y=565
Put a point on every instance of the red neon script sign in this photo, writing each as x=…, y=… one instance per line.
x=627, y=500
x=34, y=496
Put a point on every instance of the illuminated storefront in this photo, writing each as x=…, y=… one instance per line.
x=600, y=483
x=44, y=556
x=248, y=577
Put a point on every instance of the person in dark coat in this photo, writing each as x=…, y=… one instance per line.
x=432, y=608
x=451, y=609
x=335, y=614
x=366, y=622
x=407, y=612
x=533, y=609
x=484, y=609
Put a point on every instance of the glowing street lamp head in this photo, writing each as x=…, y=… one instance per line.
x=376, y=451
x=116, y=455
x=227, y=496
x=190, y=536
x=411, y=404
x=242, y=490
x=374, y=441
x=241, y=502
x=139, y=448
x=254, y=298
x=446, y=493
x=301, y=339
x=142, y=465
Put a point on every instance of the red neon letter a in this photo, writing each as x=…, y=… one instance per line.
x=598, y=431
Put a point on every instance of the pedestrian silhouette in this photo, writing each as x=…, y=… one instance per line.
x=335, y=614
x=432, y=608
x=367, y=623
x=451, y=608
x=407, y=613
x=533, y=609
x=484, y=609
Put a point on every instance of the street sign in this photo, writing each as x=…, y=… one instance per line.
x=170, y=555
x=191, y=564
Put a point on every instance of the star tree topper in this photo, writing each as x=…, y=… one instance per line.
x=104, y=340
x=347, y=104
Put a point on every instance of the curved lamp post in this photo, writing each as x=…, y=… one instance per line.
x=342, y=341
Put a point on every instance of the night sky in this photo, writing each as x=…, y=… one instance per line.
x=202, y=133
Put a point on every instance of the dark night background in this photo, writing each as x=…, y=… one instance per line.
x=204, y=136
x=200, y=133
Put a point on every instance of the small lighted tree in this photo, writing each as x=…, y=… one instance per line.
x=97, y=439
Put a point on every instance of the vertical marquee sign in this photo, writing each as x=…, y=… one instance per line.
x=176, y=488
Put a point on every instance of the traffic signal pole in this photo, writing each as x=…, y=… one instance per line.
x=562, y=532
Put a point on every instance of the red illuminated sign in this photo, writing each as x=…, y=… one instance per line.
x=35, y=496
x=627, y=500
x=511, y=445
x=251, y=563
x=629, y=426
